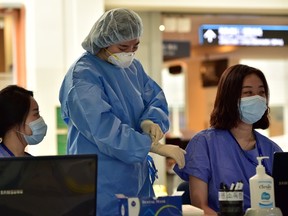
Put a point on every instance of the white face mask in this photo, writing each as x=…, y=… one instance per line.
x=123, y=59
x=252, y=108
x=39, y=129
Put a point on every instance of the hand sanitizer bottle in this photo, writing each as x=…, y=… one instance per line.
x=261, y=188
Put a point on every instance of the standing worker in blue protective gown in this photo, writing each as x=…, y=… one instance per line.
x=115, y=110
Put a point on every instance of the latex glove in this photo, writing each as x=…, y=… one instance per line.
x=172, y=151
x=152, y=129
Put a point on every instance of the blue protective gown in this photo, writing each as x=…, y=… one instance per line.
x=214, y=156
x=103, y=106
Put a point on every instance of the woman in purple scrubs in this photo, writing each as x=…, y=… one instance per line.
x=226, y=152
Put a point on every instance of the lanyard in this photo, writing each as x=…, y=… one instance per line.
x=152, y=169
x=6, y=149
x=247, y=157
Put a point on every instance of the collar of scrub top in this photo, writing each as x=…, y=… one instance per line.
x=6, y=149
x=258, y=149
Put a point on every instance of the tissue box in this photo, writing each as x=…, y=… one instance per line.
x=150, y=206
x=189, y=210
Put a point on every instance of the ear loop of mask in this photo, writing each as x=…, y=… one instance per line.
x=111, y=54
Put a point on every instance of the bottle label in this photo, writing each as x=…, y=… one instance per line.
x=230, y=195
x=263, y=196
x=265, y=200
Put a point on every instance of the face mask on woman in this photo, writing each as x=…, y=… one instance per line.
x=123, y=59
x=252, y=108
x=39, y=129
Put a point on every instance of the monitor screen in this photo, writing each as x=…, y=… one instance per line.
x=280, y=175
x=48, y=185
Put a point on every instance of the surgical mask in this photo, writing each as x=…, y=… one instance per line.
x=123, y=59
x=252, y=108
x=39, y=129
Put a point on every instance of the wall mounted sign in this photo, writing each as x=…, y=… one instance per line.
x=243, y=35
x=176, y=50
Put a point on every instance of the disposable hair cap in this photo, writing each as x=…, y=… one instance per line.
x=113, y=27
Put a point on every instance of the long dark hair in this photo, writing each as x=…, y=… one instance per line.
x=14, y=107
x=225, y=114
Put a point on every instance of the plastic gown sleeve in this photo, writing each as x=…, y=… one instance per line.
x=172, y=151
x=156, y=109
x=113, y=138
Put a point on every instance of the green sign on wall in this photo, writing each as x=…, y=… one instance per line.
x=61, y=133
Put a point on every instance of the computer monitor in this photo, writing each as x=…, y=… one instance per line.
x=48, y=185
x=280, y=175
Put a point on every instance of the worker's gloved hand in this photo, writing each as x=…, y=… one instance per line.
x=152, y=129
x=172, y=151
